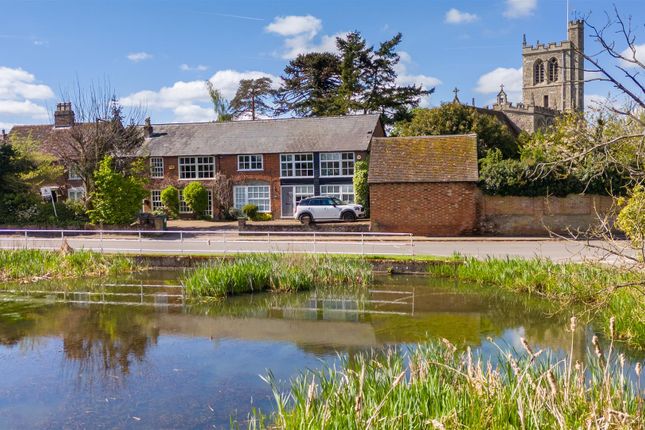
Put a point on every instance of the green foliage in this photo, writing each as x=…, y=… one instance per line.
x=250, y=210
x=361, y=187
x=252, y=98
x=263, y=217
x=455, y=118
x=276, y=272
x=44, y=170
x=436, y=386
x=235, y=213
x=25, y=264
x=196, y=197
x=593, y=285
x=170, y=201
x=220, y=104
x=116, y=198
x=631, y=218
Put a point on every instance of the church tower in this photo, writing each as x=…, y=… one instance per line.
x=553, y=74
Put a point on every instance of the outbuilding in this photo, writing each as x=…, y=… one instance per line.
x=424, y=185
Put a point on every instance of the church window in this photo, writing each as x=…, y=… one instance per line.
x=538, y=72
x=553, y=70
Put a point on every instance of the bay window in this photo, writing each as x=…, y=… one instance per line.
x=259, y=195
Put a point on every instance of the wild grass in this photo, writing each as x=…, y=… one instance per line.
x=602, y=290
x=275, y=272
x=27, y=265
x=434, y=386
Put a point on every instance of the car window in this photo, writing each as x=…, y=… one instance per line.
x=314, y=202
x=337, y=201
x=304, y=202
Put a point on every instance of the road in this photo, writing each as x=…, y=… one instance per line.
x=169, y=243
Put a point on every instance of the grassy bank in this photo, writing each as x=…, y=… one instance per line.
x=601, y=290
x=275, y=272
x=435, y=386
x=31, y=264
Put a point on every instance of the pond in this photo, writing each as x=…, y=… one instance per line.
x=175, y=365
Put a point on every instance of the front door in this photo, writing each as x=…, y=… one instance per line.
x=287, y=201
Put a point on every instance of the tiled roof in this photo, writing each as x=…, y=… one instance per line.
x=52, y=140
x=341, y=133
x=424, y=159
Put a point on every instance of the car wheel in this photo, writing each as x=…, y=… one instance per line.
x=305, y=219
x=349, y=216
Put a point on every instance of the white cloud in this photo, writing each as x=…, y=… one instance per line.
x=519, y=8
x=300, y=34
x=295, y=25
x=489, y=83
x=6, y=126
x=406, y=78
x=455, y=16
x=639, y=54
x=20, y=95
x=199, y=68
x=23, y=108
x=137, y=57
x=188, y=100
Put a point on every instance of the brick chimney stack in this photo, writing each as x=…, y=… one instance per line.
x=64, y=115
x=147, y=128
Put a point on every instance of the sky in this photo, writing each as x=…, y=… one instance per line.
x=156, y=54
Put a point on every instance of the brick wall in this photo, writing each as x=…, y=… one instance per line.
x=429, y=209
x=522, y=216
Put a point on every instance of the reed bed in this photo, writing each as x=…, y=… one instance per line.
x=28, y=265
x=275, y=272
x=434, y=386
x=602, y=290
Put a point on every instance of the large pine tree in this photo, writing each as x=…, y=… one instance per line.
x=252, y=98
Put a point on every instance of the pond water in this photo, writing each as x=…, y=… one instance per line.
x=85, y=365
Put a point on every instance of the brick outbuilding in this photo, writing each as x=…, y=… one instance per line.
x=424, y=185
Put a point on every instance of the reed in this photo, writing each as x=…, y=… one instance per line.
x=27, y=265
x=435, y=386
x=275, y=272
x=603, y=291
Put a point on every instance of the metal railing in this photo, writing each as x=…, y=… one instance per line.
x=210, y=241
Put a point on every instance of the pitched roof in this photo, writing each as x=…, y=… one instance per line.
x=341, y=133
x=51, y=139
x=424, y=159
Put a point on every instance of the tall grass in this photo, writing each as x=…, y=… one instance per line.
x=604, y=291
x=29, y=264
x=276, y=272
x=435, y=386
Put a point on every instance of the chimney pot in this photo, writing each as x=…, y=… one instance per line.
x=64, y=115
x=147, y=128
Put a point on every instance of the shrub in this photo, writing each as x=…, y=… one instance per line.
x=631, y=218
x=263, y=217
x=361, y=187
x=235, y=213
x=196, y=197
x=116, y=198
x=170, y=201
x=250, y=210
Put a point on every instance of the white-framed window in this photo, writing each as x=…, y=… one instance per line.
x=259, y=195
x=197, y=167
x=183, y=206
x=337, y=164
x=250, y=162
x=76, y=194
x=302, y=192
x=209, y=207
x=155, y=200
x=156, y=167
x=297, y=165
x=343, y=192
x=73, y=175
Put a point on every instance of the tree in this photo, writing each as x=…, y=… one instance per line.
x=102, y=128
x=252, y=98
x=455, y=118
x=170, y=200
x=223, y=194
x=117, y=196
x=44, y=168
x=220, y=104
x=310, y=85
x=196, y=197
x=355, y=59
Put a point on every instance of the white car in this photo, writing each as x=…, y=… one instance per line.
x=323, y=208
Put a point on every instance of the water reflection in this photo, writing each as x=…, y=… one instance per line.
x=194, y=365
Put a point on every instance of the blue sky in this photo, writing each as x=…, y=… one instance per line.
x=158, y=53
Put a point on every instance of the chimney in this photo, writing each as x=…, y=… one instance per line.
x=64, y=115
x=147, y=128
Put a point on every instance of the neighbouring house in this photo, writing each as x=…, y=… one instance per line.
x=424, y=185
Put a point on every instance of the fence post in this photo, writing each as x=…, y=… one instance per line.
x=269, y=239
x=362, y=243
x=181, y=241
x=411, y=244
x=140, y=244
x=101, y=236
x=25, y=239
x=314, y=242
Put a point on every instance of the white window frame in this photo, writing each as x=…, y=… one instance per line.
x=183, y=206
x=76, y=194
x=196, y=162
x=340, y=191
x=209, y=206
x=155, y=200
x=250, y=160
x=339, y=161
x=241, y=196
x=156, y=165
x=288, y=163
x=72, y=175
